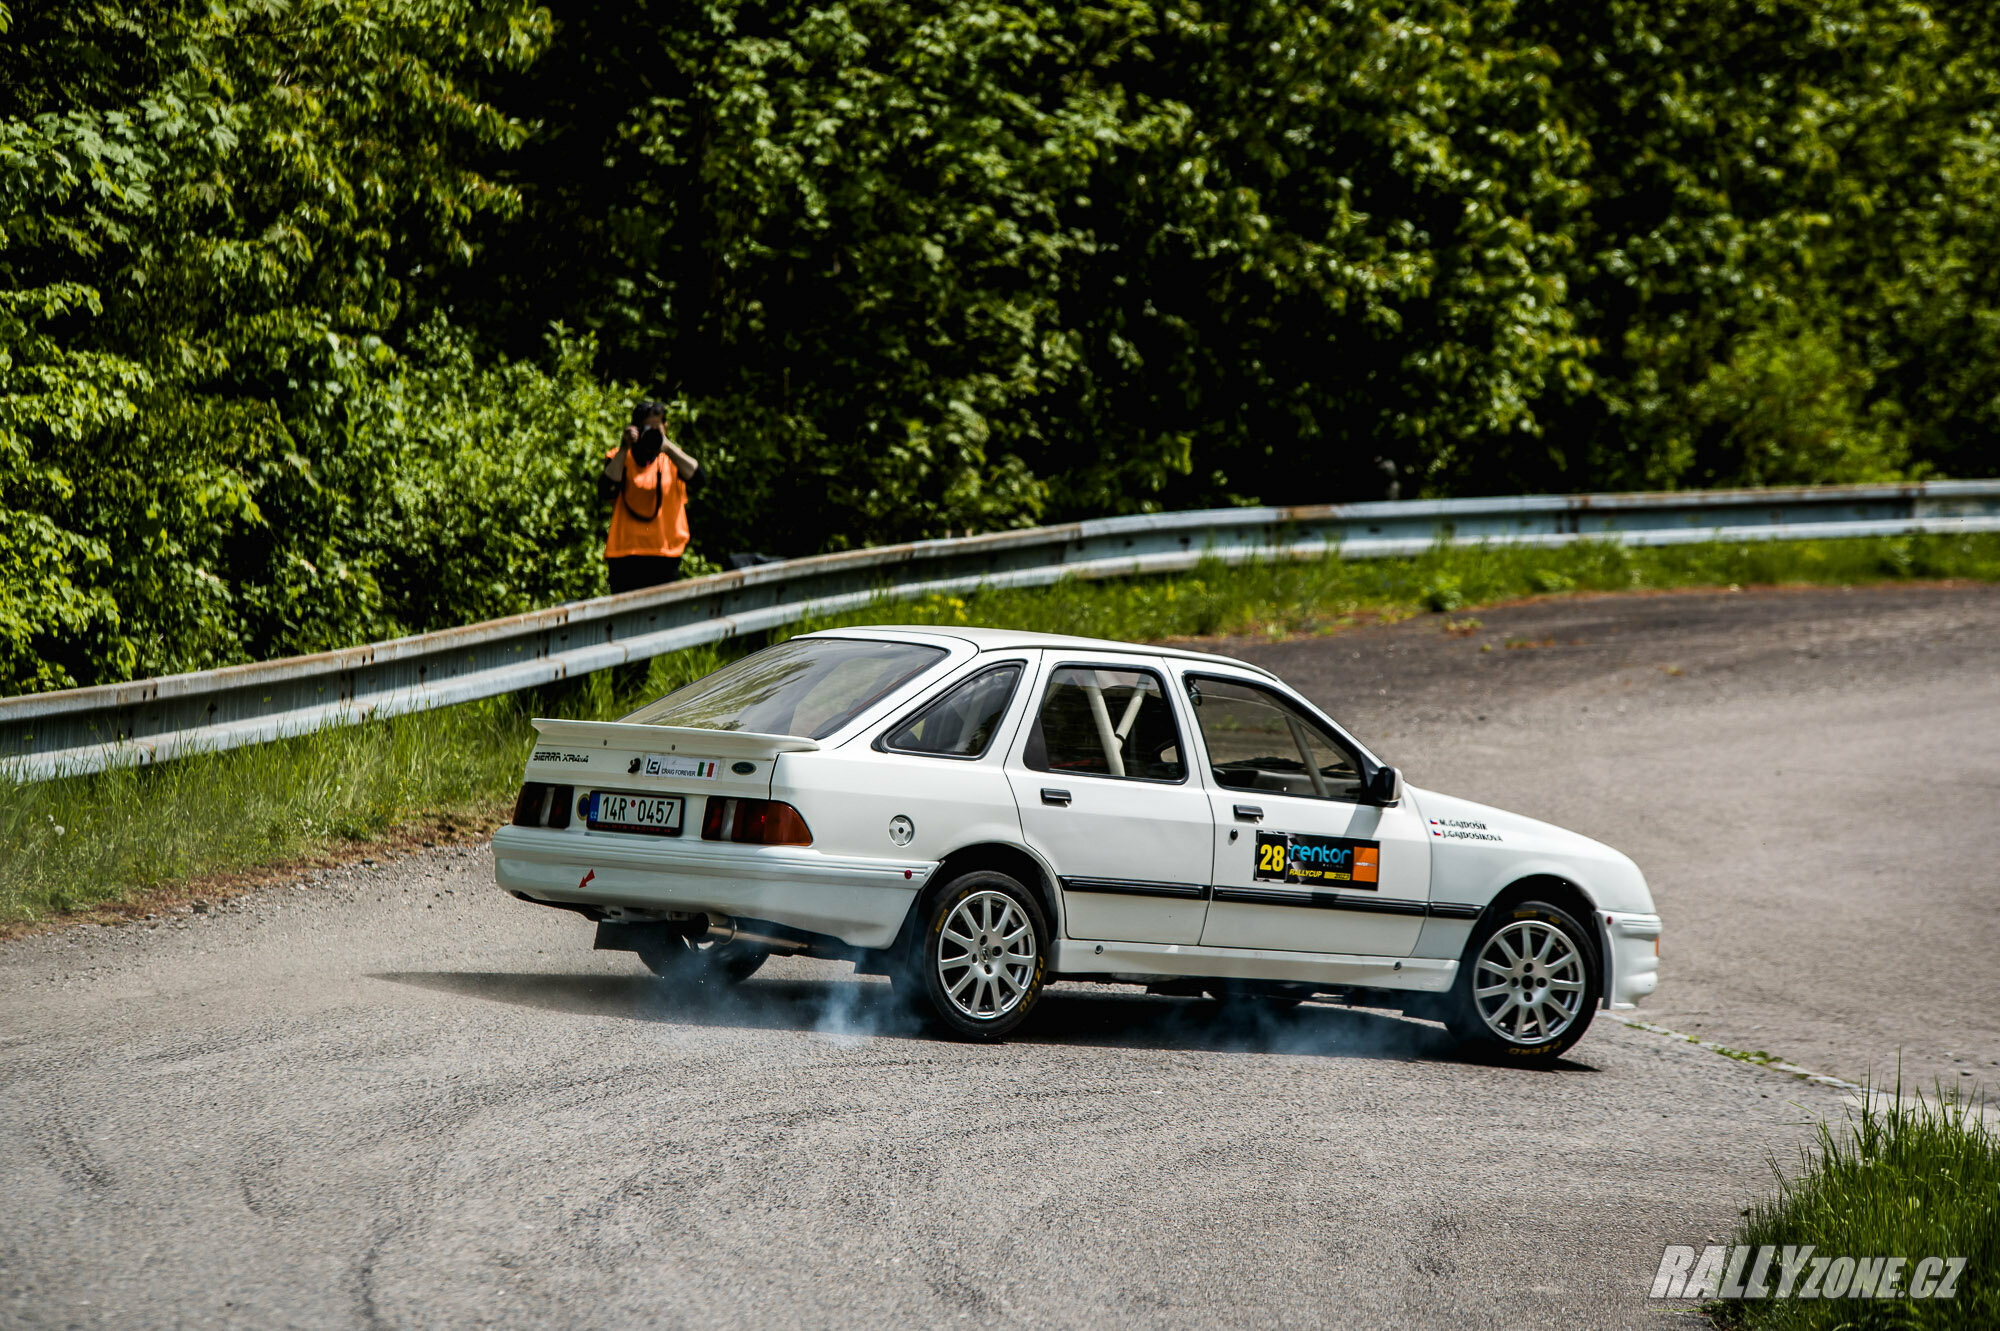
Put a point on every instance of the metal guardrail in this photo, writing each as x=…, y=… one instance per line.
x=152, y=720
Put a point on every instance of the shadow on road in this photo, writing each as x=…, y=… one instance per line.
x=865, y=1008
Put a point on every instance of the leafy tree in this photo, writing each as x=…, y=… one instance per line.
x=1774, y=266
x=210, y=213
x=1348, y=262
x=287, y=286
x=923, y=269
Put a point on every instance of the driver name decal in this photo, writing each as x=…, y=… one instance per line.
x=1462, y=829
x=672, y=764
x=1299, y=857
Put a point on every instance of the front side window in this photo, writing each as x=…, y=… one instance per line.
x=960, y=724
x=1258, y=740
x=808, y=686
x=1108, y=723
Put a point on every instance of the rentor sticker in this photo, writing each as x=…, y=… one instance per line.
x=1327, y=861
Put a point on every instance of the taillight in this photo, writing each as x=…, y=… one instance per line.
x=542, y=805
x=531, y=804
x=754, y=822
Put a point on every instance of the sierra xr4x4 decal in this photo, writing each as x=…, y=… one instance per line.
x=1298, y=857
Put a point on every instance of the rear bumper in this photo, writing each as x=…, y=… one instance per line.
x=860, y=901
x=1635, y=957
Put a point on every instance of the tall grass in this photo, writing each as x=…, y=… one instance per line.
x=1910, y=1178
x=126, y=831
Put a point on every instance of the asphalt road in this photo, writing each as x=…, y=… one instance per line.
x=389, y=1095
x=1810, y=780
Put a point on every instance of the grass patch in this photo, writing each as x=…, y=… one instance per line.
x=91, y=841
x=75, y=844
x=1284, y=599
x=137, y=830
x=1910, y=1179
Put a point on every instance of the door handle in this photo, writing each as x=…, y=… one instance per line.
x=1250, y=813
x=1059, y=798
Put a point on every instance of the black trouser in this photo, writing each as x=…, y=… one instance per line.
x=631, y=572
x=628, y=574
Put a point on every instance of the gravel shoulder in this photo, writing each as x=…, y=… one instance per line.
x=390, y=1095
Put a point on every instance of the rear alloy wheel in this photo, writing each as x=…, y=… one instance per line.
x=983, y=955
x=673, y=955
x=1528, y=986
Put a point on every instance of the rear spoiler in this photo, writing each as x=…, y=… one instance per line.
x=671, y=739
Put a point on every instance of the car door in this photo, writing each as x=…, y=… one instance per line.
x=1303, y=862
x=1101, y=778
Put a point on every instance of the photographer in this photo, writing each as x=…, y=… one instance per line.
x=647, y=478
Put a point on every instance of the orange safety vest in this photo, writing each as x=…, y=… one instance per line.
x=650, y=515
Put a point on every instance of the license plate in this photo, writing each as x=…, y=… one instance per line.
x=659, y=815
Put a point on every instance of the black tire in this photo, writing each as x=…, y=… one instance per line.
x=980, y=972
x=674, y=956
x=1552, y=951
x=735, y=962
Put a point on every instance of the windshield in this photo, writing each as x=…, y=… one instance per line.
x=808, y=686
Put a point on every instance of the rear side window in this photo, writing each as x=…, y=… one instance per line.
x=808, y=686
x=1258, y=740
x=960, y=724
x=1107, y=722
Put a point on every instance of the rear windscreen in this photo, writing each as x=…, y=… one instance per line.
x=808, y=686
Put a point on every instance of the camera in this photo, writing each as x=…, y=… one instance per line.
x=647, y=447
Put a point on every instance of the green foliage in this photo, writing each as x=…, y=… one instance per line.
x=286, y=286
x=925, y=269
x=1789, y=409
x=1442, y=592
x=1913, y=1178
x=1775, y=269
x=488, y=503
x=1548, y=580
x=207, y=218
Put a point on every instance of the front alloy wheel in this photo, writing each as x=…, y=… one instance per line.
x=984, y=955
x=1528, y=986
x=1528, y=982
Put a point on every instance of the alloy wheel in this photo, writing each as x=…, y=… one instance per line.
x=1529, y=982
x=986, y=955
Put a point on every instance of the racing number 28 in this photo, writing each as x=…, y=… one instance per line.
x=1271, y=857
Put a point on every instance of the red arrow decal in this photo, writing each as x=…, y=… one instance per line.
x=585, y=880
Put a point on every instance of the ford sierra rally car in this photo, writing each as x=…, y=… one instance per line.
x=977, y=812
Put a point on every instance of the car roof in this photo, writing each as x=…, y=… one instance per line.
x=999, y=640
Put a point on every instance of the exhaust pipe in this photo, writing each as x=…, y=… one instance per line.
x=634, y=935
x=721, y=929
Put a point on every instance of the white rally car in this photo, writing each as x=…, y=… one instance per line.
x=976, y=812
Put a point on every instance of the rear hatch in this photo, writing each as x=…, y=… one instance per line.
x=612, y=778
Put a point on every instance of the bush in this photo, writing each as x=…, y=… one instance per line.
x=1442, y=592
x=440, y=489
x=484, y=501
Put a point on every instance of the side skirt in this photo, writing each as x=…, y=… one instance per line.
x=1140, y=963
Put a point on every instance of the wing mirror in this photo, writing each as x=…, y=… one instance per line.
x=1385, y=786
